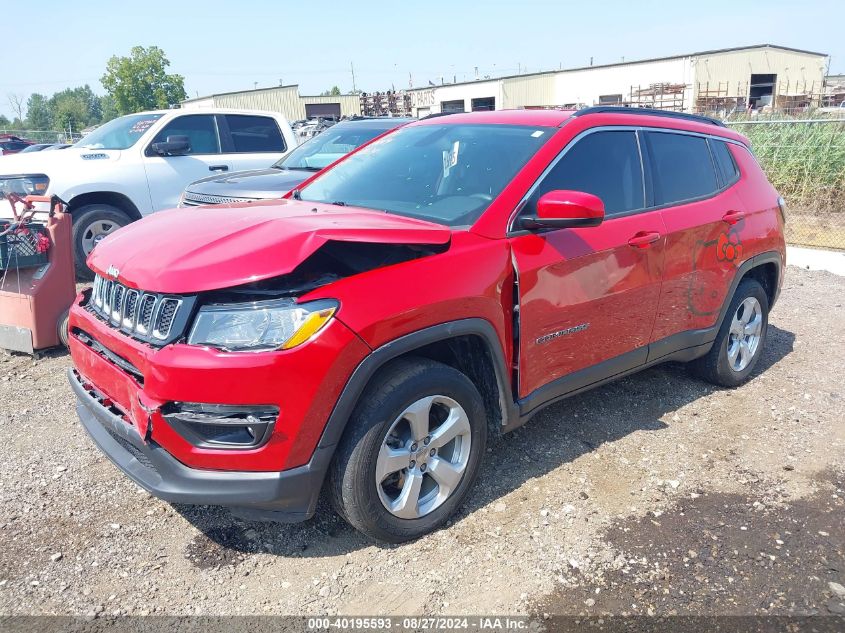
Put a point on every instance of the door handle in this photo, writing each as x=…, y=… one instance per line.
x=644, y=239
x=732, y=217
x=218, y=168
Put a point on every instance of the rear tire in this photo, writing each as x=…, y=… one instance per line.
x=92, y=223
x=739, y=343
x=392, y=485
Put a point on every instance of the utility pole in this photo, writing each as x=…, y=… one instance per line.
x=352, y=67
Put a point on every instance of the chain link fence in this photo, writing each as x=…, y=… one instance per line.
x=44, y=136
x=805, y=160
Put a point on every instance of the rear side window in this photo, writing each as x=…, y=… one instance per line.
x=200, y=129
x=254, y=134
x=682, y=168
x=724, y=162
x=605, y=164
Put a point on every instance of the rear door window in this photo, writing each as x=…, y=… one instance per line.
x=251, y=134
x=605, y=164
x=681, y=167
x=200, y=129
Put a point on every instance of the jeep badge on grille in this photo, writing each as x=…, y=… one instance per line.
x=113, y=272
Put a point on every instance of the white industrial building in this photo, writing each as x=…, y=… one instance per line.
x=722, y=81
x=284, y=99
x=754, y=76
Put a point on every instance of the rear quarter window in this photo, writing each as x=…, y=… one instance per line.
x=252, y=134
x=681, y=167
x=725, y=163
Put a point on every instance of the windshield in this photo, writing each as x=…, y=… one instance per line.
x=443, y=173
x=324, y=149
x=120, y=133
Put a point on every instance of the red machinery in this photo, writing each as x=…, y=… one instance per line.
x=37, y=277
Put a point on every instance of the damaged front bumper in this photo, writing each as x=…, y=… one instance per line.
x=287, y=496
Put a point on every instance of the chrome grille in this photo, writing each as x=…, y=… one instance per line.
x=191, y=199
x=130, y=303
x=146, y=316
x=166, y=311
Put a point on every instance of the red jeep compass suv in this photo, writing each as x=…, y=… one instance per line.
x=366, y=335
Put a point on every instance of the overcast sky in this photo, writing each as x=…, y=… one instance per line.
x=230, y=45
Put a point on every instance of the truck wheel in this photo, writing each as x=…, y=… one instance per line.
x=411, y=452
x=63, y=329
x=739, y=343
x=91, y=224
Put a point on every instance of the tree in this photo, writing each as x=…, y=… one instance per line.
x=70, y=111
x=334, y=92
x=108, y=110
x=16, y=103
x=38, y=114
x=85, y=103
x=139, y=81
x=4, y=122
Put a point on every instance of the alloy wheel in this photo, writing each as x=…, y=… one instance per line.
x=95, y=233
x=422, y=459
x=745, y=334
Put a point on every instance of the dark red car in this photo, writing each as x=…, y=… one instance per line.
x=11, y=144
x=367, y=335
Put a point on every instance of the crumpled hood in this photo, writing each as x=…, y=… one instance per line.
x=258, y=183
x=191, y=250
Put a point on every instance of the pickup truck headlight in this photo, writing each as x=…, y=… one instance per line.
x=25, y=185
x=260, y=325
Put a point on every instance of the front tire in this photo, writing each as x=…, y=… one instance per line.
x=739, y=343
x=92, y=223
x=411, y=452
x=63, y=329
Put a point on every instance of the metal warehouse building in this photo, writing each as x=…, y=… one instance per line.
x=284, y=99
x=756, y=77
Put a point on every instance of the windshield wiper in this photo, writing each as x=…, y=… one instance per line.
x=297, y=194
x=339, y=203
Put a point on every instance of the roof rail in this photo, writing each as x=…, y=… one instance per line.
x=434, y=115
x=650, y=112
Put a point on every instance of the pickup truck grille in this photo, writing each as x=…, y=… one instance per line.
x=151, y=317
x=192, y=199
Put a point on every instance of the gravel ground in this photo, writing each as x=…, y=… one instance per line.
x=645, y=496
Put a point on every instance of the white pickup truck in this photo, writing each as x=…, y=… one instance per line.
x=141, y=163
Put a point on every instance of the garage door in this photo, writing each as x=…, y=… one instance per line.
x=325, y=110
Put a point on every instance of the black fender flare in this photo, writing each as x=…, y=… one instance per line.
x=768, y=257
x=366, y=369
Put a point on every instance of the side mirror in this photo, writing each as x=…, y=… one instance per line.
x=173, y=146
x=561, y=209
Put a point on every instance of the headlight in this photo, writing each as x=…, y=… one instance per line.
x=26, y=185
x=261, y=325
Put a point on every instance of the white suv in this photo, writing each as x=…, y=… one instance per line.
x=140, y=163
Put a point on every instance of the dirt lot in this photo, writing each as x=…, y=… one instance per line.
x=655, y=494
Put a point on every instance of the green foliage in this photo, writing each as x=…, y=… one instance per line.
x=140, y=82
x=334, y=92
x=38, y=113
x=804, y=161
x=4, y=122
x=107, y=108
x=806, y=164
x=75, y=108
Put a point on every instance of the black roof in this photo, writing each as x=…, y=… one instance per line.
x=698, y=118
